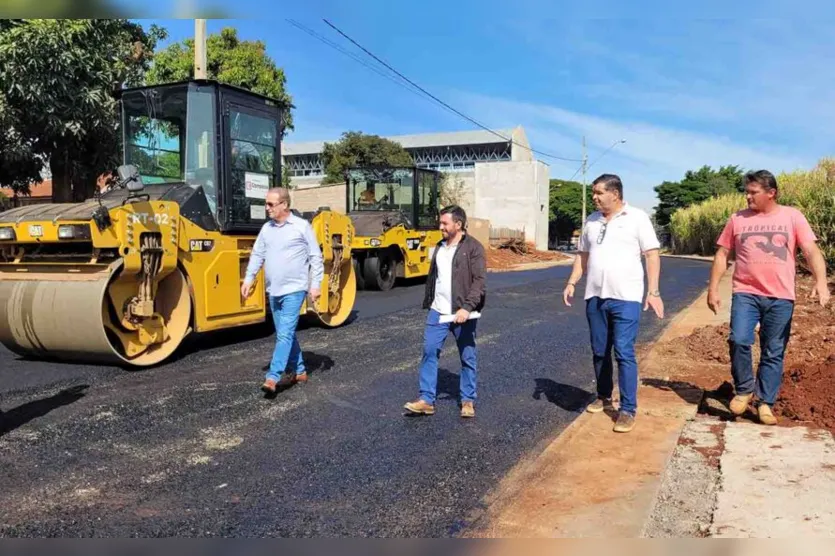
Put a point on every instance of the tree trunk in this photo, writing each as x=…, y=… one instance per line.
x=83, y=188
x=61, y=178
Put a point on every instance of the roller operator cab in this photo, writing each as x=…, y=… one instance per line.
x=395, y=213
x=125, y=277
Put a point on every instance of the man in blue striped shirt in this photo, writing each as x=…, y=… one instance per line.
x=289, y=252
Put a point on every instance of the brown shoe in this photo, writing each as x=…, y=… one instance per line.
x=740, y=403
x=625, y=422
x=269, y=386
x=599, y=405
x=766, y=415
x=419, y=406
x=301, y=377
x=467, y=409
x=287, y=379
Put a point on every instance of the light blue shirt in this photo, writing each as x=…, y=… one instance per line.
x=290, y=255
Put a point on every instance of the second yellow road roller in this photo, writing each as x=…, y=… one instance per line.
x=125, y=277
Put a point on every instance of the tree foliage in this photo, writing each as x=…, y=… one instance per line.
x=566, y=208
x=228, y=60
x=697, y=186
x=358, y=149
x=56, y=101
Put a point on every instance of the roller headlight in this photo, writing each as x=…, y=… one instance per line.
x=73, y=231
x=7, y=234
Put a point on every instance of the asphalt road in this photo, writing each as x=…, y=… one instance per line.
x=194, y=448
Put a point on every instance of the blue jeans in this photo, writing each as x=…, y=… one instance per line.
x=614, y=324
x=434, y=336
x=775, y=318
x=285, y=309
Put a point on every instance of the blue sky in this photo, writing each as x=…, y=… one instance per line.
x=747, y=85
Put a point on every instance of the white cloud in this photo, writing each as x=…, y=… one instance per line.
x=652, y=153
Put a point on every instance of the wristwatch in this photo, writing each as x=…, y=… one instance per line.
x=655, y=293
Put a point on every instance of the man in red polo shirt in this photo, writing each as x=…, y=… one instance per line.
x=765, y=238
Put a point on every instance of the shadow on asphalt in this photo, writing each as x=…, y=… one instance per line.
x=448, y=385
x=21, y=415
x=313, y=363
x=565, y=396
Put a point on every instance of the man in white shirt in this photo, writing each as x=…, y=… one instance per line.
x=455, y=294
x=611, y=245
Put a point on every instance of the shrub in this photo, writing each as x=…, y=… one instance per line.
x=694, y=229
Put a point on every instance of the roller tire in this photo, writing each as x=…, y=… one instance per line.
x=380, y=271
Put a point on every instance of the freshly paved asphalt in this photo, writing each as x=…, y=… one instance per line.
x=194, y=448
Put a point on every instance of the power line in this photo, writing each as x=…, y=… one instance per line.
x=596, y=159
x=575, y=173
x=604, y=152
x=442, y=103
x=353, y=56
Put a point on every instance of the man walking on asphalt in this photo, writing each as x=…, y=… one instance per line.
x=610, y=248
x=293, y=267
x=455, y=295
x=765, y=238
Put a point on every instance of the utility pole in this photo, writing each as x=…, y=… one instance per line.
x=585, y=164
x=200, y=49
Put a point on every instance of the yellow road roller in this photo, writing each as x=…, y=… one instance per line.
x=124, y=277
x=395, y=212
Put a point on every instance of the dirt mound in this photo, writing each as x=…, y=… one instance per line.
x=504, y=258
x=808, y=390
x=808, y=394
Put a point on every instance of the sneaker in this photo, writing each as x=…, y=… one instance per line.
x=467, y=409
x=301, y=377
x=765, y=414
x=599, y=405
x=625, y=422
x=419, y=406
x=740, y=403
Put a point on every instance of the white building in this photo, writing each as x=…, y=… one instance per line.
x=493, y=176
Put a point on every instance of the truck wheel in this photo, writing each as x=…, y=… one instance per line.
x=380, y=271
x=361, y=285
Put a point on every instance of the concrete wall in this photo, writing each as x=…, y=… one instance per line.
x=479, y=228
x=514, y=195
x=460, y=189
x=311, y=198
x=518, y=152
x=306, y=182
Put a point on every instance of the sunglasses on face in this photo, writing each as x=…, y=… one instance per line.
x=271, y=205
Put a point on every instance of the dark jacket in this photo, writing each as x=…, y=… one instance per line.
x=469, y=269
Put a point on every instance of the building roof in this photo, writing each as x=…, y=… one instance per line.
x=43, y=189
x=423, y=140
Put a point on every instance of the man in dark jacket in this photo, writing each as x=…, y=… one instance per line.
x=455, y=293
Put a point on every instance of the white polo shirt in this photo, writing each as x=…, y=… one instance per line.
x=615, y=248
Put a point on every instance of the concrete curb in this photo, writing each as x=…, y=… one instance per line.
x=590, y=481
x=690, y=257
x=533, y=266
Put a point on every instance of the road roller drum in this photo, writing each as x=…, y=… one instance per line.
x=125, y=277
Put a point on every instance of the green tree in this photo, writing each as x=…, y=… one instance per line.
x=228, y=60
x=358, y=149
x=566, y=208
x=697, y=186
x=56, y=101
